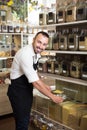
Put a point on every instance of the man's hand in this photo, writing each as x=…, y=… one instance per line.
x=57, y=99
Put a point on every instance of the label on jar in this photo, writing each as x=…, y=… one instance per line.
x=81, y=46
x=72, y=46
x=84, y=75
x=64, y=71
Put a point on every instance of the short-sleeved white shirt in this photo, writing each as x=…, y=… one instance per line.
x=23, y=64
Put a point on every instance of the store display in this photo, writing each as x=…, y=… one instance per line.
x=69, y=41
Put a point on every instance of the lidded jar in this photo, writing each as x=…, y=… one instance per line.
x=50, y=44
x=61, y=12
x=43, y=17
x=58, y=66
x=81, y=10
x=73, y=40
x=55, y=41
x=51, y=64
x=0, y=28
x=51, y=16
x=4, y=27
x=75, y=67
x=65, y=66
x=83, y=40
x=71, y=11
x=42, y=64
x=63, y=37
x=84, y=70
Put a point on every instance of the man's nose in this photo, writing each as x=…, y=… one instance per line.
x=41, y=46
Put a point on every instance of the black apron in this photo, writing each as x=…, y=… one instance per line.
x=20, y=94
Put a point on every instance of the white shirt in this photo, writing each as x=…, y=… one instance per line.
x=23, y=64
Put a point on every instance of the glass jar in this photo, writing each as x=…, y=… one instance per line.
x=84, y=71
x=51, y=16
x=43, y=17
x=3, y=15
x=58, y=67
x=51, y=64
x=42, y=64
x=63, y=37
x=75, y=67
x=50, y=44
x=61, y=13
x=73, y=41
x=17, y=28
x=55, y=41
x=0, y=28
x=81, y=10
x=83, y=41
x=10, y=27
x=65, y=68
x=71, y=11
x=4, y=27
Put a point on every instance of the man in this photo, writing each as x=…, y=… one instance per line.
x=24, y=77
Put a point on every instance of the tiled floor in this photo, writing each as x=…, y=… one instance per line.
x=7, y=123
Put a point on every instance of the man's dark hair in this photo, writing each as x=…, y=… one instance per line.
x=43, y=33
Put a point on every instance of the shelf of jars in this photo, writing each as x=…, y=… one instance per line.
x=63, y=78
x=21, y=33
x=59, y=24
x=53, y=52
x=11, y=42
x=5, y=33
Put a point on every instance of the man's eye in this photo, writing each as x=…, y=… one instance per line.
x=39, y=42
x=45, y=44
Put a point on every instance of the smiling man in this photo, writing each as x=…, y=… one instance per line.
x=24, y=77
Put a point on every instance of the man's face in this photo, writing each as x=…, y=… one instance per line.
x=40, y=43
